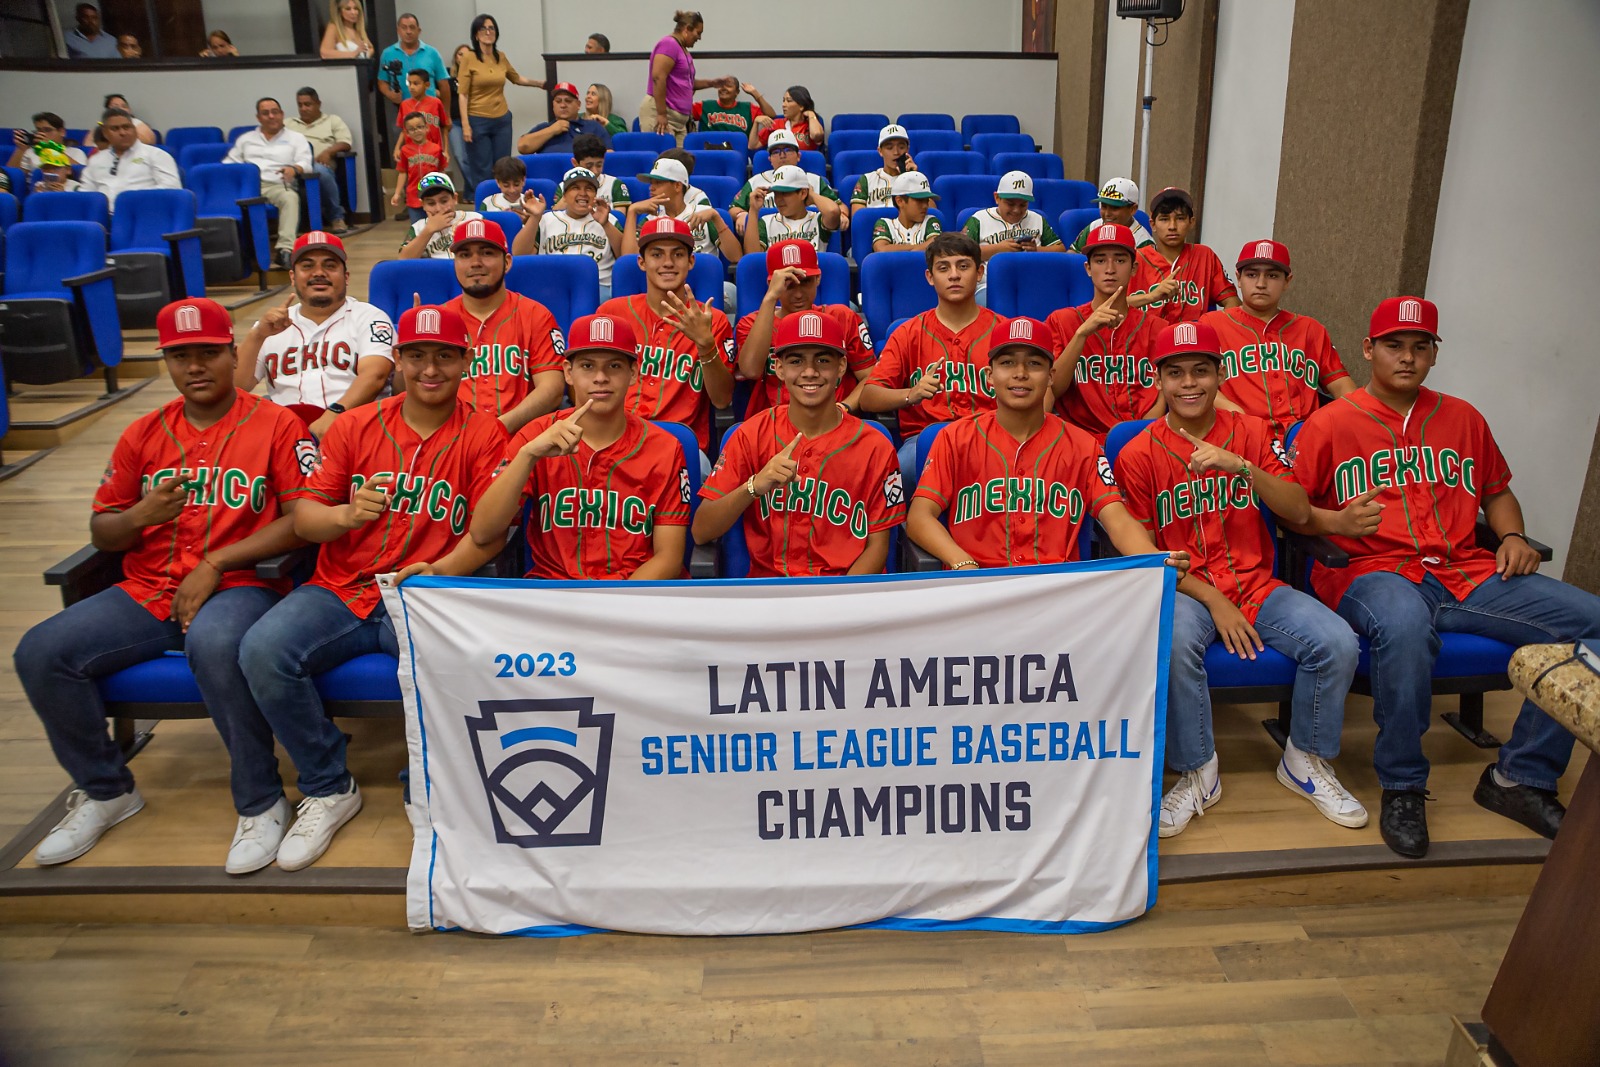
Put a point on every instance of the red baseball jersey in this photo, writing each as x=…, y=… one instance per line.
x=1214, y=517
x=1440, y=463
x=962, y=358
x=767, y=391
x=594, y=513
x=416, y=161
x=239, y=470
x=436, y=483
x=670, y=386
x=1009, y=504
x=847, y=486
x=432, y=110
x=1115, y=379
x=518, y=340
x=1202, y=281
x=1272, y=369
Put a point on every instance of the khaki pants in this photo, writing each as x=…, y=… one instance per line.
x=677, y=121
x=287, y=200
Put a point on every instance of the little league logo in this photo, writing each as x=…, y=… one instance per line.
x=544, y=765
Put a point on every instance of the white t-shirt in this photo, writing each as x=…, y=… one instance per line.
x=775, y=228
x=562, y=235
x=311, y=363
x=439, y=244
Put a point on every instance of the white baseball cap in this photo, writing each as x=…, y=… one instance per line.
x=789, y=180
x=891, y=131
x=667, y=170
x=1014, y=185
x=1118, y=192
x=912, y=183
x=780, y=138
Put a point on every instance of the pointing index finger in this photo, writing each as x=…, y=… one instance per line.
x=788, y=449
x=582, y=410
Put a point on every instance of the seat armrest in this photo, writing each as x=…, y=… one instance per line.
x=1488, y=539
x=287, y=565
x=1319, y=549
x=915, y=558
x=721, y=419
x=180, y=235
x=703, y=562
x=251, y=201
x=84, y=573
x=93, y=276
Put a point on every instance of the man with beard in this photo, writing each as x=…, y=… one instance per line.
x=328, y=354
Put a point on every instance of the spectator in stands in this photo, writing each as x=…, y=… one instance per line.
x=415, y=159
x=345, y=36
x=431, y=236
x=1011, y=225
x=120, y=102
x=782, y=151
x=669, y=184
x=55, y=170
x=915, y=225
x=47, y=126
x=1119, y=201
x=580, y=226
x=669, y=93
x=793, y=219
x=799, y=118
x=429, y=107
x=485, y=116
x=727, y=115
x=411, y=53
x=598, y=44
x=188, y=580
x=219, y=46
x=597, y=105
x=394, y=486
x=590, y=154
x=555, y=137
x=1184, y=279
x=282, y=156
x=128, y=47
x=127, y=163
x=894, y=146
x=329, y=136
x=458, y=145
x=511, y=176
x=88, y=40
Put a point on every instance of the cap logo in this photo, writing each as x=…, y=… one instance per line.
x=1021, y=330
x=602, y=331
x=1019, y=183
x=1105, y=233
x=1264, y=250
x=791, y=255
x=428, y=320
x=475, y=228
x=811, y=327
x=187, y=319
x=1184, y=333
x=316, y=237
x=1411, y=311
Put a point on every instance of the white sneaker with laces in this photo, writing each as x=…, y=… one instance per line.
x=316, y=821
x=256, y=841
x=1322, y=788
x=1185, y=800
x=86, y=820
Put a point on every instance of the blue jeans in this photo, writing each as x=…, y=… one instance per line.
x=417, y=214
x=908, y=462
x=491, y=140
x=1403, y=619
x=332, y=210
x=309, y=632
x=1289, y=622
x=59, y=660
x=458, y=156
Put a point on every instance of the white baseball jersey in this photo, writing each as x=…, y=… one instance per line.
x=873, y=189
x=768, y=177
x=705, y=234
x=439, y=244
x=315, y=363
x=775, y=228
x=987, y=228
x=895, y=233
x=562, y=235
x=613, y=192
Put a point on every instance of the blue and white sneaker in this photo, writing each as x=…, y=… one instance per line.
x=1321, y=788
x=1188, y=798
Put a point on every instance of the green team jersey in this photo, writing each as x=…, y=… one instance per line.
x=714, y=118
x=767, y=177
x=987, y=228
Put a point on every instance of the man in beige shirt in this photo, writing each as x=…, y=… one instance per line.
x=329, y=135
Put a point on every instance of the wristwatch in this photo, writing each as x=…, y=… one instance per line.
x=337, y=409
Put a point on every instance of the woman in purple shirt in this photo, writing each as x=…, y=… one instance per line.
x=669, y=95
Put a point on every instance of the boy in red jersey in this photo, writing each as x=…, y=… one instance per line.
x=1103, y=374
x=396, y=484
x=686, y=353
x=196, y=493
x=792, y=278
x=1402, y=472
x=416, y=157
x=1274, y=360
x=1178, y=280
x=514, y=368
x=817, y=490
x=1196, y=478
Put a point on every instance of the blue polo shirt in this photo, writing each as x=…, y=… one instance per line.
x=425, y=58
x=104, y=46
x=562, y=145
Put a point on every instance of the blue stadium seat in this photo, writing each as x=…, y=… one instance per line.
x=1072, y=222
x=510, y=223
x=811, y=162
x=1035, y=284
x=1036, y=164
x=957, y=192
x=543, y=186
x=231, y=215
x=8, y=211
x=549, y=167
x=935, y=141
x=850, y=141
x=691, y=464
x=858, y=121
x=64, y=207
x=925, y=120
x=155, y=247
x=718, y=187
x=751, y=280
x=568, y=285
x=194, y=155
x=180, y=137
x=705, y=278
x=637, y=188
x=635, y=126
x=845, y=186
x=655, y=143
x=937, y=165
x=862, y=222
x=59, y=311
x=235, y=133
x=628, y=164
x=894, y=285
x=976, y=125
x=1052, y=196
x=705, y=141
x=19, y=183
x=730, y=165
x=393, y=281
x=861, y=161
x=990, y=145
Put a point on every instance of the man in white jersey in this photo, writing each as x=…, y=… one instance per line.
x=793, y=220
x=873, y=188
x=915, y=224
x=325, y=355
x=782, y=151
x=582, y=226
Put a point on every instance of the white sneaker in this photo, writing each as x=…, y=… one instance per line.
x=317, y=820
x=1323, y=790
x=85, y=821
x=256, y=841
x=1185, y=800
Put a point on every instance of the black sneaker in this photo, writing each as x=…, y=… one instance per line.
x=1537, y=809
x=1404, y=822
x=281, y=260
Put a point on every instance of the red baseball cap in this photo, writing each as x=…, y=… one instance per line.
x=1400, y=314
x=193, y=322
x=566, y=87
x=601, y=333
x=486, y=230
x=1109, y=233
x=802, y=254
x=1272, y=253
x=317, y=241
x=435, y=324
x=1188, y=339
x=1025, y=332
x=666, y=228
x=808, y=328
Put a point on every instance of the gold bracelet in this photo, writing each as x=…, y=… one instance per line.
x=965, y=564
x=750, y=487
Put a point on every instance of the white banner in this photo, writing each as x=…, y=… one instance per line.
x=958, y=751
